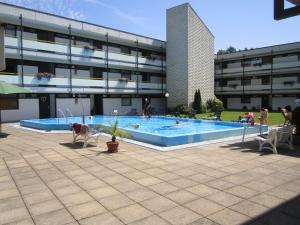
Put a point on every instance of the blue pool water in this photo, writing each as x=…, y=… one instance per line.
x=161, y=131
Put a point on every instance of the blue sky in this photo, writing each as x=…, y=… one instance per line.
x=240, y=23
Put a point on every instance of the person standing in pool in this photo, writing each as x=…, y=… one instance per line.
x=147, y=108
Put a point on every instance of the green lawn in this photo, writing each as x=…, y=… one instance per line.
x=275, y=118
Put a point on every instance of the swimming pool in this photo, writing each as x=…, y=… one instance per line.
x=161, y=131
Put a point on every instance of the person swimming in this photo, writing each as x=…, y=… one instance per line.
x=177, y=123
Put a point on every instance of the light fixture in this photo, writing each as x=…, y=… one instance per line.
x=167, y=94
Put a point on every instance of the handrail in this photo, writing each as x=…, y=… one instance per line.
x=78, y=46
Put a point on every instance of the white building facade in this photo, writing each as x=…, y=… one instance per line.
x=263, y=77
x=74, y=68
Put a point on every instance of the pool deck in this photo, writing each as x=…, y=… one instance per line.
x=45, y=180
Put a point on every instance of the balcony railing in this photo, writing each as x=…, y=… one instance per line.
x=80, y=84
x=277, y=67
x=52, y=51
x=275, y=87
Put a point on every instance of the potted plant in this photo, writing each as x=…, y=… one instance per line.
x=114, y=131
x=296, y=122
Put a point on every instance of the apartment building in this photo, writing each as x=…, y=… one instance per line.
x=263, y=77
x=73, y=67
x=70, y=66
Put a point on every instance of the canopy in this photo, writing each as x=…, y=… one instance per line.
x=6, y=89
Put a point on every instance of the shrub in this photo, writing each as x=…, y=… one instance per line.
x=197, y=104
x=183, y=109
x=296, y=119
x=215, y=105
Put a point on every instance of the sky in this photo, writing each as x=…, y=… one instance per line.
x=238, y=23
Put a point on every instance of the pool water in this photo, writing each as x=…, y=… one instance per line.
x=157, y=130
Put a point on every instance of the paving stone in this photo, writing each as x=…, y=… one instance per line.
x=203, y=221
x=250, y=209
x=220, y=184
x=167, y=176
x=11, y=203
x=147, y=181
x=102, y=219
x=67, y=190
x=182, y=196
x=58, y=217
x=182, y=182
x=258, y=186
x=45, y=207
x=152, y=220
x=12, y=215
x=116, y=201
x=37, y=197
x=204, y=207
x=22, y=222
x=228, y=217
x=224, y=199
x=86, y=210
x=76, y=199
x=202, y=190
x=127, y=186
x=9, y=193
x=141, y=194
x=131, y=213
x=241, y=191
x=179, y=216
x=267, y=200
x=103, y=192
x=163, y=188
x=158, y=204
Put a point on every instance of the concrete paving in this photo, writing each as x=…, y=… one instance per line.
x=44, y=179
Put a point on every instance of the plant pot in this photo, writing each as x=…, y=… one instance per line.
x=296, y=139
x=112, y=147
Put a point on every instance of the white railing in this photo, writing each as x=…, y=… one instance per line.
x=60, y=51
x=78, y=84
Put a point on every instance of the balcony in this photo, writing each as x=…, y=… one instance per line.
x=277, y=88
x=57, y=52
x=81, y=85
x=261, y=69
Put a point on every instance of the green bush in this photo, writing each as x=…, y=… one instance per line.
x=197, y=104
x=183, y=109
x=215, y=105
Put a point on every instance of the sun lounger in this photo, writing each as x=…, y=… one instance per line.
x=81, y=132
x=276, y=137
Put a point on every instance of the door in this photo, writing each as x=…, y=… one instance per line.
x=44, y=102
x=98, y=105
x=265, y=101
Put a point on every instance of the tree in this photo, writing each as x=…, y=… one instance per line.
x=231, y=49
x=197, y=105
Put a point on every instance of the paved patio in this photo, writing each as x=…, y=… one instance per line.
x=45, y=180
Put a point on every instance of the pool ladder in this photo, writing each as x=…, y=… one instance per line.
x=64, y=115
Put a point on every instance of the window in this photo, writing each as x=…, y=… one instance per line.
x=125, y=50
x=10, y=30
x=265, y=80
x=246, y=81
x=145, y=77
x=126, y=101
x=9, y=102
x=245, y=100
x=126, y=75
x=267, y=60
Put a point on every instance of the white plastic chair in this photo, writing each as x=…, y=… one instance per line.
x=85, y=135
x=115, y=112
x=276, y=137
